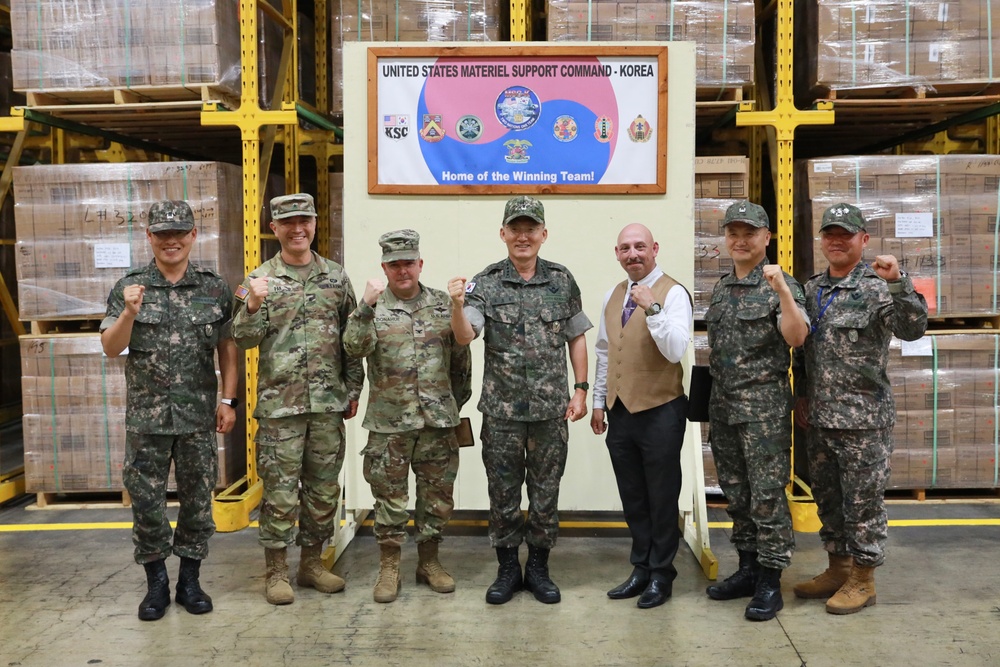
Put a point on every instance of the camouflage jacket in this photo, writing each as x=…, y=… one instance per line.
x=170, y=378
x=749, y=357
x=417, y=375
x=526, y=327
x=841, y=368
x=302, y=367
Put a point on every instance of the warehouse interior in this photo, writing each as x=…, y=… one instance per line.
x=227, y=103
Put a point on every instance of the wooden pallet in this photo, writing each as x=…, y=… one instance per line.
x=943, y=495
x=81, y=325
x=957, y=323
x=133, y=95
x=88, y=500
x=911, y=91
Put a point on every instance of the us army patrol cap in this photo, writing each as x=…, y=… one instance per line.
x=523, y=207
x=844, y=215
x=398, y=245
x=170, y=216
x=748, y=212
x=287, y=206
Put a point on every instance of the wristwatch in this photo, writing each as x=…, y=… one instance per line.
x=231, y=402
x=654, y=309
x=582, y=385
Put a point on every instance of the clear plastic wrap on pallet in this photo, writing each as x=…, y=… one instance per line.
x=946, y=411
x=411, y=21
x=719, y=181
x=81, y=227
x=701, y=350
x=723, y=31
x=74, y=417
x=937, y=214
x=871, y=43
x=158, y=47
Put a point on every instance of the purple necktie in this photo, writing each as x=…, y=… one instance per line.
x=629, y=305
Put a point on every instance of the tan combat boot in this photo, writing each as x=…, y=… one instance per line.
x=430, y=571
x=825, y=584
x=276, y=582
x=856, y=594
x=314, y=575
x=388, y=584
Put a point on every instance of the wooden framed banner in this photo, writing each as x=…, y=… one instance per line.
x=517, y=119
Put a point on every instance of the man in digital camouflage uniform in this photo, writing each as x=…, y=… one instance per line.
x=172, y=316
x=847, y=403
x=419, y=378
x=294, y=308
x=757, y=311
x=529, y=311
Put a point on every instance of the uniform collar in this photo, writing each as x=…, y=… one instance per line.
x=156, y=278
x=392, y=302
x=284, y=270
x=510, y=274
x=753, y=278
x=851, y=280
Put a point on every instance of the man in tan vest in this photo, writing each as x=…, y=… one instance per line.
x=644, y=332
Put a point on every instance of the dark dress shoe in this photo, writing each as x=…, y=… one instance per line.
x=656, y=593
x=633, y=586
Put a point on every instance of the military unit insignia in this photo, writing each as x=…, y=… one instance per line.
x=565, y=129
x=517, y=151
x=432, y=131
x=396, y=126
x=603, y=129
x=469, y=128
x=518, y=107
x=640, y=130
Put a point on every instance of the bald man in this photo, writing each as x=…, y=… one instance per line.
x=644, y=332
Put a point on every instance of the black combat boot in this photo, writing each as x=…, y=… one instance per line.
x=766, y=602
x=189, y=592
x=536, y=576
x=740, y=584
x=157, y=599
x=508, y=579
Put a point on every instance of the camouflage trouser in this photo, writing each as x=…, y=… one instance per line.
x=145, y=473
x=849, y=471
x=433, y=454
x=515, y=452
x=307, y=448
x=754, y=465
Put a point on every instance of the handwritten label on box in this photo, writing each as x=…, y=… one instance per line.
x=914, y=225
x=112, y=256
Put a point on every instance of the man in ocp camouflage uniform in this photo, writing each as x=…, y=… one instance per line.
x=419, y=379
x=846, y=403
x=294, y=308
x=529, y=311
x=172, y=316
x=757, y=311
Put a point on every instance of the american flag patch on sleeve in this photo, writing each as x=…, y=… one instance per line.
x=241, y=292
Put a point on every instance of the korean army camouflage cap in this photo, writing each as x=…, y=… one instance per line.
x=844, y=215
x=170, y=216
x=398, y=245
x=523, y=207
x=748, y=212
x=287, y=206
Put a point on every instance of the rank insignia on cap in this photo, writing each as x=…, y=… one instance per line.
x=469, y=288
x=241, y=292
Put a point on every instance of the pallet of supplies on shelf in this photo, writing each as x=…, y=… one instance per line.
x=701, y=351
x=719, y=181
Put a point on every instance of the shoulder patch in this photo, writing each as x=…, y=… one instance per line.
x=241, y=293
x=469, y=287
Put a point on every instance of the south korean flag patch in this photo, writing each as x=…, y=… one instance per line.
x=469, y=288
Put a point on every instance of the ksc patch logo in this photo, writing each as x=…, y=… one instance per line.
x=396, y=126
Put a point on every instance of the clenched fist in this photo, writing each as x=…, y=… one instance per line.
x=456, y=290
x=258, y=292
x=373, y=290
x=887, y=267
x=775, y=278
x=133, y=298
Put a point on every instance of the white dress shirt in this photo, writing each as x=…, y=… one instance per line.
x=670, y=329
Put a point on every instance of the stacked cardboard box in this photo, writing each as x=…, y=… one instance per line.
x=86, y=44
x=80, y=227
x=74, y=417
x=701, y=352
x=936, y=214
x=723, y=30
x=865, y=43
x=718, y=182
x=945, y=388
x=410, y=21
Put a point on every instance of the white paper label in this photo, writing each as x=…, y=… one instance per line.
x=914, y=225
x=943, y=12
x=869, y=53
x=934, y=52
x=922, y=347
x=112, y=256
x=822, y=167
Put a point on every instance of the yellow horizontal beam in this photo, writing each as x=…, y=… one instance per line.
x=11, y=123
x=11, y=488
